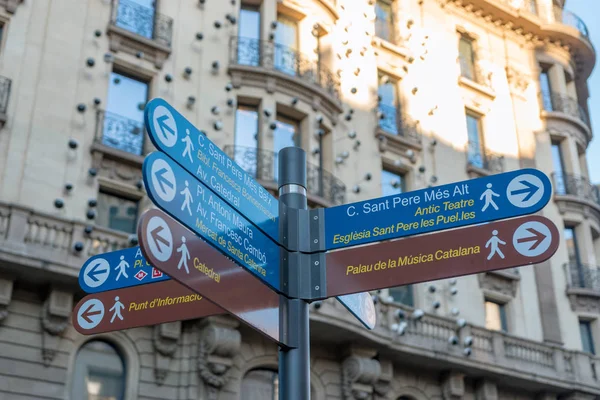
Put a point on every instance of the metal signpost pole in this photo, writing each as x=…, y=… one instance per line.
x=294, y=365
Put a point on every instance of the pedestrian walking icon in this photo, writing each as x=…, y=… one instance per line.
x=165, y=126
x=122, y=268
x=488, y=196
x=185, y=255
x=493, y=245
x=187, y=198
x=117, y=308
x=189, y=146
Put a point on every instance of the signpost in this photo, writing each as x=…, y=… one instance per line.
x=180, y=195
x=490, y=198
x=178, y=138
x=116, y=270
x=136, y=306
x=263, y=259
x=487, y=247
x=196, y=264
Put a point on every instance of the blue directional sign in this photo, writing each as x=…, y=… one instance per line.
x=474, y=201
x=178, y=138
x=179, y=194
x=116, y=270
x=360, y=305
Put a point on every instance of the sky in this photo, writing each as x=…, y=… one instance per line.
x=589, y=11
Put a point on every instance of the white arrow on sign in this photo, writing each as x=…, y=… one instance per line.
x=96, y=273
x=160, y=238
x=90, y=314
x=164, y=126
x=163, y=180
x=532, y=238
x=525, y=190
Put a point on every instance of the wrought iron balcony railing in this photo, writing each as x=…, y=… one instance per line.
x=474, y=72
x=582, y=276
x=392, y=123
x=576, y=186
x=119, y=132
x=5, y=85
x=143, y=21
x=479, y=157
x=562, y=103
x=273, y=56
x=263, y=165
x=568, y=18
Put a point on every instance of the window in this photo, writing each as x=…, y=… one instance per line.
x=286, y=45
x=246, y=138
x=388, y=104
x=495, y=316
x=532, y=6
x=466, y=56
x=546, y=90
x=475, y=152
x=384, y=20
x=403, y=295
x=571, y=241
x=260, y=384
x=286, y=134
x=99, y=373
x=587, y=337
x=137, y=16
x=557, y=164
x=576, y=268
x=117, y=213
x=248, y=48
x=392, y=183
x=123, y=126
x=1, y=33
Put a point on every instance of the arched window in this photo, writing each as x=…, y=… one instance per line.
x=260, y=384
x=99, y=373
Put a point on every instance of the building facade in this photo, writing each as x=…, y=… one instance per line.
x=385, y=96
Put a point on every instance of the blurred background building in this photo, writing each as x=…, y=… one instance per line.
x=385, y=96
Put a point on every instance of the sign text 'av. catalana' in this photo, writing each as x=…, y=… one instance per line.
x=116, y=270
x=490, y=198
x=137, y=306
x=196, y=264
x=180, y=195
x=487, y=247
x=178, y=138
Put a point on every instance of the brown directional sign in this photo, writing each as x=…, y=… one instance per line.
x=487, y=247
x=152, y=304
x=179, y=253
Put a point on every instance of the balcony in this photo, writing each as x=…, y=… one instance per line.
x=54, y=246
x=392, y=123
x=482, y=161
x=474, y=76
x=140, y=31
x=5, y=85
x=553, y=103
x=255, y=62
x=577, y=186
x=398, y=337
x=322, y=186
x=583, y=286
x=119, y=133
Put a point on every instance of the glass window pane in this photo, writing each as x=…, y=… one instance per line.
x=402, y=294
x=286, y=43
x=467, y=58
x=557, y=164
x=391, y=183
x=571, y=242
x=136, y=16
x=124, y=116
x=248, y=50
x=383, y=20
x=285, y=135
x=260, y=384
x=246, y=138
x=117, y=213
x=495, y=316
x=546, y=90
x=587, y=337
x=99, y=373
x=1, y=32
x=475, y=153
